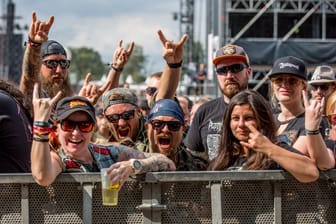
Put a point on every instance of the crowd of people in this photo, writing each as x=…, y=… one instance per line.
x=47, y=128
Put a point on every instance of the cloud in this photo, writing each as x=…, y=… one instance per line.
x=101, y=24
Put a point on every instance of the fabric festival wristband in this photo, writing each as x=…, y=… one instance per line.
x=314, y=132
x=40, y=139
x=175, y=65
x=116, y=69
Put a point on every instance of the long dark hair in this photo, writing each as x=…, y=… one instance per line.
x=230, y=148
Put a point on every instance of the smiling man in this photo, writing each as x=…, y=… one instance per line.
x=166, y=130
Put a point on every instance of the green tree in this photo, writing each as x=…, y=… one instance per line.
x=84, y=60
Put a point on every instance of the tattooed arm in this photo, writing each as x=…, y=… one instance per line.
x=150, y=162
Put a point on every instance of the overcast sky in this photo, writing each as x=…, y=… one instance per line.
x=100, y=24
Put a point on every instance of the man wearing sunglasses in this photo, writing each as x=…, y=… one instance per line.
x=233, y=71
x=322, y=83
x=153, y=82
x=165, y=131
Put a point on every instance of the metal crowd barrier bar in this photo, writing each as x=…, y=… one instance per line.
x=172, y=197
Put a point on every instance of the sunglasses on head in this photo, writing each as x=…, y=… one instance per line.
x=83, y=126
x=172, y=125
x=323, y=87
x=52, y=64
x=127, y=115
x=233, y=68
x=151, y=90
x=280, y=80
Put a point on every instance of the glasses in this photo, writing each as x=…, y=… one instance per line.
x=323, y=87
x=151, y=90
x=233, y=68
x=52, y=64
x=172, y=125
x=127, y=115
x=291, y=81
x=332, y=119
x=83, y=126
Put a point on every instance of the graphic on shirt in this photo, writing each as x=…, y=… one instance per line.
x=213, y=138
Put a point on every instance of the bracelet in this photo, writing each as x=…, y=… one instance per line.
x=116, y=69
x=41, y=139
x=31, y=43
x=175, y=65
x=43, y=124
x=314, y=132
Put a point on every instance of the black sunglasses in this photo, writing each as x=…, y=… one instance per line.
x=172, y=125
x=52, y=64
x=233, y=68
x=323, y=87
x=127, y=115
x=151, y=90
x=83, y=126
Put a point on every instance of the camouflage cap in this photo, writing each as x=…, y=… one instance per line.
x=118, y=96
x=323, y=74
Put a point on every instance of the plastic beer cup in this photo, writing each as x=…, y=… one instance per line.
x=109, y=191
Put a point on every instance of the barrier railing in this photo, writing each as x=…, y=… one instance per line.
x=172, y=197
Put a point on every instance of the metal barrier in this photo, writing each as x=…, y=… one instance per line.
x=172, y=197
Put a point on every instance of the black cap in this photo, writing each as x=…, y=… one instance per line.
x=68, y=105
x=52, y=47
x=290, y=65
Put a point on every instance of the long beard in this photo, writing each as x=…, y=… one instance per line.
x=52, y=89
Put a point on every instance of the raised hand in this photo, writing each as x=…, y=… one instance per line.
x=172, y=51
x=121, y=55
x=39, y=30
x=91, y=91
x=256, y=141
x=42, y=106
x=313, y=112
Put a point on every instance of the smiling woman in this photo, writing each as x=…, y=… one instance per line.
x=248, y=133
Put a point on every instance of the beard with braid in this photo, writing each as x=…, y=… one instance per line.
x=50, y=89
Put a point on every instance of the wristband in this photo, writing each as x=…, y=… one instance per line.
x=31, y=43
x=314, y=132
x=175, y=65
x=116, y=69
x=37, y=139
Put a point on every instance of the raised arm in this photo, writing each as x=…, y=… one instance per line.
x=172, y=52
x=31, y=65
x=120, y=58
x=317, y=149
x=45, y=164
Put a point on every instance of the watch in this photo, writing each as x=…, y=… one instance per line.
x=137, y=166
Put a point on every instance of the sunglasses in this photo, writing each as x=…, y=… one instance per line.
x=83, y=126
x=52, y=64
x=323, y=87
x=151, y=90
x=127, y=115
x=332, y=119
x=291, y=81
x=233, y=68
x=172, y=125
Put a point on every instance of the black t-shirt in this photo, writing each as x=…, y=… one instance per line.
x=15, y=136
x=205, y=131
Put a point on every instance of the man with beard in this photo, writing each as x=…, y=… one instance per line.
x=233, y=71
x=166, y=128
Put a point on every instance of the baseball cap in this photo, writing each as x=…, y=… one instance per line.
x=52, y=47
x=118, y=96
x=231, y=51
x=323, y=74
x=68, y=105
x=166, y=107
x=290, y=65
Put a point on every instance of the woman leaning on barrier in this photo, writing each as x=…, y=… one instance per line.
x=249, y=141
x=75, y=121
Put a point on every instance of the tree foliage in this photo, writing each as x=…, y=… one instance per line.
x=85, y=60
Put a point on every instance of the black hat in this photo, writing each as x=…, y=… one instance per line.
x=52, y=47
x=68, y=105
x=290, y=65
